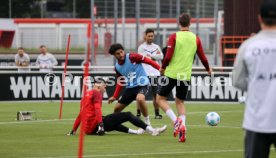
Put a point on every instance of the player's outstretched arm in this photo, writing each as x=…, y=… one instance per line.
x=75, y=126
x=152, y=63
x=117, y=89
x=138, y=58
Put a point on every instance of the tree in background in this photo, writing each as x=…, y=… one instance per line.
x=20, y=8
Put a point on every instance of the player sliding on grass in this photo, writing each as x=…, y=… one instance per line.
x=129, y=66
x=97, y=124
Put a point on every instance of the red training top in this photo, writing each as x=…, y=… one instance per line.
x=92, y=110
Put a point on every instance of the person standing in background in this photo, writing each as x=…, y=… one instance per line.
x=255, y=72
x=45, y=60
x=22, y=60
x=152, y=51
x=164, y=50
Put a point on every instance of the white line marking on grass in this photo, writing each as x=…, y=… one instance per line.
x=57, y=120
x=53, y=120
x=205, y=112
x=206, y=126
x=203, y=126
x=34, y=121
x=147, y=154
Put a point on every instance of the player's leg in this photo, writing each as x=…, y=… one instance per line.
x=119, y=107
x=134, y=120
x=128, y=96
x=138, y=114
x=181, y=94
x=182, y=116
x=138, y=123
x=124, y=129
x=124, y=117
x=156, y=107
x=119, y=118
x=256, y=145
x=138, y=111
x=154, y=87
x=166, y=87
x=114, y=122
x=141, y=102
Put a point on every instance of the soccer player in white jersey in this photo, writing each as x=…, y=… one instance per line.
x=152, y=51
x=45, y=60
x=22, y=60
x=255, y=72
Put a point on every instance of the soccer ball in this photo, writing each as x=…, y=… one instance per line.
x=212, y=118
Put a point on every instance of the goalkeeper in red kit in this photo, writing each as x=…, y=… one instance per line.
x=96, y=124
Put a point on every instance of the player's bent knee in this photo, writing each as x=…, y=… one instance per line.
x=178, y=100
x=117, y=109
x=128, y=114
x=160, y=98
x=140, y=98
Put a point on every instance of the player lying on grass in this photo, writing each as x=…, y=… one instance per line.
x=95, y=123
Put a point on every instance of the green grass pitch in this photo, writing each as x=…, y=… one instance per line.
x=46, y=137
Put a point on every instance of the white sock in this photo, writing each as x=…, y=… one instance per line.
x=171, y=115
x=147, y=120
x=183, y=118
x=149, y=129
x=131, y=131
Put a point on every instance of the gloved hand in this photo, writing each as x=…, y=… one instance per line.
x=100, y=129
x=71, y=133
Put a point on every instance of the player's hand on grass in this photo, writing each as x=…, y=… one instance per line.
x=100, y=129
x=111, y=100
x=71, y=133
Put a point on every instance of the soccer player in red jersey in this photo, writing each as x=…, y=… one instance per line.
x=97, y=124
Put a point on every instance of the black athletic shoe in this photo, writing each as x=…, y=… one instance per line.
x=158, y=116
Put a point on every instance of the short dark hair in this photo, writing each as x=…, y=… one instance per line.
x=99, y=80
x=41, y=46
x=20, y=48
x=268, y=12
x=184, y=19
x=114, y=47
x=149, y=31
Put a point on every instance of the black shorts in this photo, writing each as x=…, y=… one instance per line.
x=154, y=84
x=130, y=94
x=111, y=121
x=258, y=144
x=168, y=84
